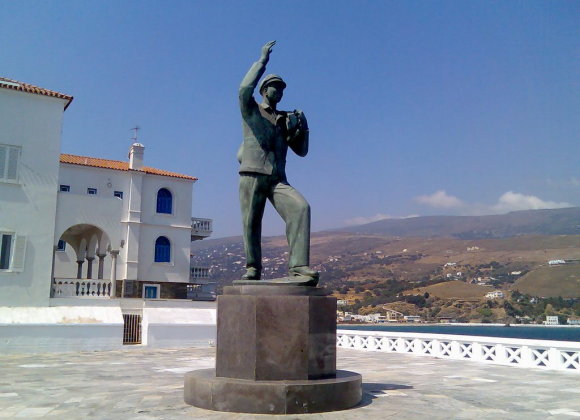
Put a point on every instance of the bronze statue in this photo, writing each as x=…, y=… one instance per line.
x=267, y=134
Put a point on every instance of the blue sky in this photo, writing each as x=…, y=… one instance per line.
x=414, y=107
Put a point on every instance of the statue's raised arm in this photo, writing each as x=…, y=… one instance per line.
x=248, y=85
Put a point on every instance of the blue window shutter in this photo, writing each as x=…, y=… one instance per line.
x=164, y=201
x=162, y=250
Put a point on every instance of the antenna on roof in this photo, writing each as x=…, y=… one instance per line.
x=137, y=128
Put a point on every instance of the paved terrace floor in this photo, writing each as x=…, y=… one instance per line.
x=148, y=384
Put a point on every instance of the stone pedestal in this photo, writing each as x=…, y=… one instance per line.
x=276, y=354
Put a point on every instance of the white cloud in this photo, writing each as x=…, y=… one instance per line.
x=511, y=201
x=440, y=199
x=360, y=220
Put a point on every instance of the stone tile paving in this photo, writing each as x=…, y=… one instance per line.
x=142, y=384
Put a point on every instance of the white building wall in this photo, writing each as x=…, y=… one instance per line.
x=176, y=227
x=34, y=123
x=138, y=223
x=102, y=210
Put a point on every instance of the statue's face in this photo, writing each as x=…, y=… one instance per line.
x=274, y=92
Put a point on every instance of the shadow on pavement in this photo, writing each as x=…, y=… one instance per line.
x=371, y=391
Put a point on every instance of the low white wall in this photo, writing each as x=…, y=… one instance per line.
x=525, y=353
x=179, y=327
x=60, y=329
x=97, y=325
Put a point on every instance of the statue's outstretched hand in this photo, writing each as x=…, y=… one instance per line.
x=266, y=50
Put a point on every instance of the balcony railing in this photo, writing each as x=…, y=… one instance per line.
x=200, y=228
x=541, y=354
x=81, y=288
x=196, y=273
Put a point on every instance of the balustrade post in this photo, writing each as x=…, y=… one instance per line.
x=436, y=346
x=501, y=354
x=526, y=356
x=358, y=342
x=52, y=289
x=417, y=346
x=477, y=351
x=80, y=269
x=114, y=255
x=555, y=359
x=101, y=265
x=455, y=350
x=90, y=267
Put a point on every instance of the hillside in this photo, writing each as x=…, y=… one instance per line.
x=455, y=290
x=370, y=269
x=551, y=281
x=529, y=222
x=445, y=270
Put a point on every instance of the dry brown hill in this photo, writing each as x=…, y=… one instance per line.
x=454, y=290
x=551, y=282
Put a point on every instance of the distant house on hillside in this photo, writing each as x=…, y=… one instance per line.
x=412, y=318
x=496, y=294
x=393, y=316
x=551, y=320
x=447, y=320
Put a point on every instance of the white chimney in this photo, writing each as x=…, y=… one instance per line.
x=136, y=156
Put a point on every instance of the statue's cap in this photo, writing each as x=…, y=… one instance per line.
x=269, y=79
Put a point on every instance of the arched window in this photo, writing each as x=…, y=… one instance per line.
x=164, y=201
x=162, y=250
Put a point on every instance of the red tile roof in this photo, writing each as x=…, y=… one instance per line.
x=25, y=87
x=117, y=165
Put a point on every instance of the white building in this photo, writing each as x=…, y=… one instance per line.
x=412, y=318
x=551, y=320
x=133, y=221
x=124, y=230
x=496, y=294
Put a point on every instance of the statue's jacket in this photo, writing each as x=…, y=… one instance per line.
x=266, y=138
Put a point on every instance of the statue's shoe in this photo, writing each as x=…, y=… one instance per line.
x=304, y=270
x=251, y=274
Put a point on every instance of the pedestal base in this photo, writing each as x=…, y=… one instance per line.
x=204, y=390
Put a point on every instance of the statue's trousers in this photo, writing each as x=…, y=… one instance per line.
x=290, y=205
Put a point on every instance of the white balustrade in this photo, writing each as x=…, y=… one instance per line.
x=201, y=225
x=81, y=288
x=527, y=353
x=198, y=273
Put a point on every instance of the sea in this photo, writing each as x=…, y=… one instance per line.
x=537, y=332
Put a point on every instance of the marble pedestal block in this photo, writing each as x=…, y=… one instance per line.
x=276, y=337
x=276, y=354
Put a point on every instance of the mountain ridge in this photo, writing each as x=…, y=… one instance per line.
x=564, y=221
